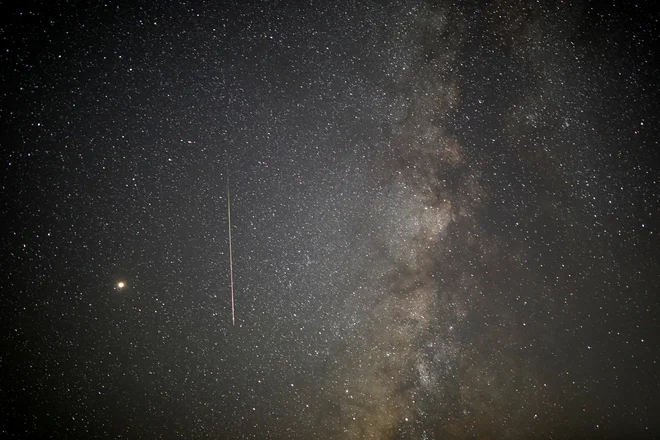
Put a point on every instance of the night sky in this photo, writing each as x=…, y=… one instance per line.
x=445, y=219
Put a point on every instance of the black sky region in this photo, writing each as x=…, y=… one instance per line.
x=445, y=220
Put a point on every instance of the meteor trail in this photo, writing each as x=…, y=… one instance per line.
x=231, y=263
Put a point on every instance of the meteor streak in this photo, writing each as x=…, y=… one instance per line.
x=231, y=263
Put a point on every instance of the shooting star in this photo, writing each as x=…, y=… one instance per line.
x=231, y=263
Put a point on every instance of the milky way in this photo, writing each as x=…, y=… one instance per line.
x=443, y=221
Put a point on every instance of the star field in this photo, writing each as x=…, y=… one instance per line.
x=444, y=220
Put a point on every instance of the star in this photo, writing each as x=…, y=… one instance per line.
x=121, y=285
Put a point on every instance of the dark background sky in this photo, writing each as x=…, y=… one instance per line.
x=444, y=218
